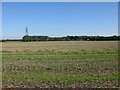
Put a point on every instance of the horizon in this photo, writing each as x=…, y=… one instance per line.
x=57, y=36
x=58, y=19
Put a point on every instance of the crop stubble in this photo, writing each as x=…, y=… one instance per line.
x=91, y=64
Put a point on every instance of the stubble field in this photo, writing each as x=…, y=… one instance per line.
x=61, y=64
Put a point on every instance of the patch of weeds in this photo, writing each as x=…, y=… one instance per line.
x=6, y=51
x=48, y=68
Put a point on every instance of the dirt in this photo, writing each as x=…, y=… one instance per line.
x=60, y=45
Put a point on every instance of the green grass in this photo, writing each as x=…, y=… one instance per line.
x=40, y=52
x=84, y=68
x=58, y=78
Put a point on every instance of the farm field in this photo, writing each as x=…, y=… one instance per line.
x=60, y=64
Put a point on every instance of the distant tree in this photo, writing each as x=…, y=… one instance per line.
x=70, y=38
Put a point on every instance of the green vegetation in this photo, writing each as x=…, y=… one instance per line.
x=71, y=38
x=83, y=68
x=67, y=38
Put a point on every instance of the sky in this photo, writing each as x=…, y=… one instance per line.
x=57, y=19
x=0, y=21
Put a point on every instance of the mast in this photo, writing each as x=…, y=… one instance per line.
x=26, y=32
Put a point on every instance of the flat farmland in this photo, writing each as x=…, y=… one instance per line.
x=60, y=64
x=60, y=45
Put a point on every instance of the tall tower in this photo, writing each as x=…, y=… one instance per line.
x=26, y=32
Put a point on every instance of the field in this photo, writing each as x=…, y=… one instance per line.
x=60, y=64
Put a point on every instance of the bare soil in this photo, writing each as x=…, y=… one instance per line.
x=60, y=45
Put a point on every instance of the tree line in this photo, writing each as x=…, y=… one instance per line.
x=67, y=38
x=71, y=38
